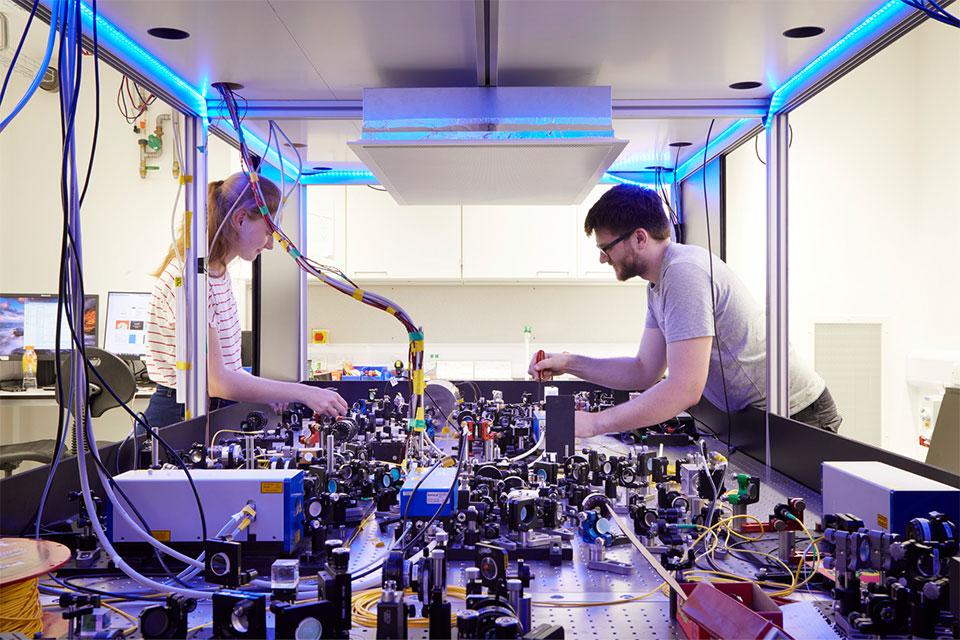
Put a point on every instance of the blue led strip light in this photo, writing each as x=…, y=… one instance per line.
x=410, y=136
x=119, y=43
x=339, y=176
x=690, y=165
x=874, y=24
x=259, y=147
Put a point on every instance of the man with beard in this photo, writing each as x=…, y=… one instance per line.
x=702, y=326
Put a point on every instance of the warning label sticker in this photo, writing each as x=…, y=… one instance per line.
x=436, y=497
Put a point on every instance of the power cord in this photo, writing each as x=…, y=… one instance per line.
x=713, y=295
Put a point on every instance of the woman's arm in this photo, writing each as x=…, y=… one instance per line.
x=240, y=386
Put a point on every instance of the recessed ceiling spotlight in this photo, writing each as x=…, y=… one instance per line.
x=168, y=33
x=232, y=86
x=323, y=168
x=295, y=145
x=803, y=32
x=745, y=85
x=678, y=145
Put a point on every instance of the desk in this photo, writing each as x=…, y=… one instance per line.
x=33, y=415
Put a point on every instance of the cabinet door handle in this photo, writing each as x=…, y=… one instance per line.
x=367, y=274
x=553, y=274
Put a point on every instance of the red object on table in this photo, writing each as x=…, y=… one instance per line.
x=729, y=610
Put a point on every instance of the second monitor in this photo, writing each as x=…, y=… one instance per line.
x=125, y=331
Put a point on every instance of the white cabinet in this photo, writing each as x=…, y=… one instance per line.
x=588, y=256
x=386, y=241
x=519, y=242
x=326, y=225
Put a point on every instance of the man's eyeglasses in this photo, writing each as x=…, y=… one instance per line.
x=605, y=249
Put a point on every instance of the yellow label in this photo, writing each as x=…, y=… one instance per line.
x=358, y=294
x=882, y=521
x=187, y=222
x=163, y=535
x=271, y=487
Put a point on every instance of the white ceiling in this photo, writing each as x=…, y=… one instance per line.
x=643, y=49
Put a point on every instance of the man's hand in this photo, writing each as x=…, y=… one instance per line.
x=554, y=364
x=586, y=425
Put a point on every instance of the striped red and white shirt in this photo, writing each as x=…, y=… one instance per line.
x=222, y=314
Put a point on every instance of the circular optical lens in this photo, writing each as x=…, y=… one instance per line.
x=488, y=568
x=239, y=621
x=308, y=629
x=220, y=564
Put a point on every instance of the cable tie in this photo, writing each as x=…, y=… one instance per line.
x=187, y=223
x=391, y=311
x=254, y=177
x=177, y=281
x=276, y=236
x=294, y=252
x=416, y=335
x=183, y=365
x=264, y=211
x=358, y=294
x=185, y=179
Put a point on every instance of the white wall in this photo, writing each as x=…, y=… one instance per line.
x=480, y=322
x=126, y=218
x=874, y=212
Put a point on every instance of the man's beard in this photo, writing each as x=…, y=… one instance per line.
x=627, y=271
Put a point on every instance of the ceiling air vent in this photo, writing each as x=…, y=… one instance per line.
x=488, y=145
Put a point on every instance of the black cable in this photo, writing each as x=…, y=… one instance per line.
x=713, y=295
x=67, y=584
x=80, y=344
x=463, y=446
x=456, y=476
x=676, y=163
x=61, y=427
x=756, y=143
x=16, y=54
x=96, y=107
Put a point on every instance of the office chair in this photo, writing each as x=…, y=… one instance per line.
x=114, y=372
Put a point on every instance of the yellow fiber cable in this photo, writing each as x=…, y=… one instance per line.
x=364, y=605
x=20, y=609
x=365, y=602
x=133, y=621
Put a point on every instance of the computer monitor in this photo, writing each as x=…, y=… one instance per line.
x=126, y=326
x=31, y=319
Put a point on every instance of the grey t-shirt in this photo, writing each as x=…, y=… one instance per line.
x=680, y=306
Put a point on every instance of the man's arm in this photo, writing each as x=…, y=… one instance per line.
x=639, y=372
x=689, y=362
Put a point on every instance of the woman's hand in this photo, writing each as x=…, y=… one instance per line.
x=324, y=401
